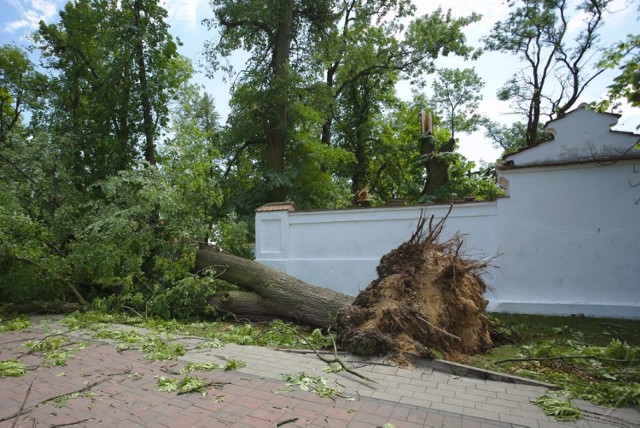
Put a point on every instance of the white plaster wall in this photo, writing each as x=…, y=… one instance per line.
x=341, y=249
x=570, y=239
x=582, y=135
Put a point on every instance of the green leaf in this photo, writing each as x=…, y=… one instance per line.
x=13, y=368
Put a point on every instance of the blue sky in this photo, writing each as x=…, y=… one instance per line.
x=18, y=18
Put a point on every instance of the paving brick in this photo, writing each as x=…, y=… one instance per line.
x=423, y=397
x=384, y=410
x=513, y=397
x=370, y=419
x=484, y=414
x=443, y=386
x=480, y=392
x=338, y=414
x=425, y=383
x=386, y=370
x=467, y=423
x=436, y=421
x=530, y=414
x=401, y=413
x=385, y=396
x=532, y=423
x=503, y=403
x=458, y=402
x=494, y=408
x=435, y=393
x=415, y=402
x=448, y=407
x=464, y=395
x=408, y=389
x=452, y=422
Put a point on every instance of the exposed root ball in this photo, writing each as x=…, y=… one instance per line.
x=427, y=298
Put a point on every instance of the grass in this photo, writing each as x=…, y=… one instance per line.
x=596, y=359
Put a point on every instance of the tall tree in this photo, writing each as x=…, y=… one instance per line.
x=22, y=88
x=362, y=48
x=115, y=68
x=556, y=70
x=456, y=96
x=267, y=29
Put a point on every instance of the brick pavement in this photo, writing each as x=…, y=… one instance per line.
x=119, y=389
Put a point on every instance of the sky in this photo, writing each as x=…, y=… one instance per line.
x=18, y=18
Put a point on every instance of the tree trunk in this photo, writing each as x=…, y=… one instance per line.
x=147, y=117
x=278, y=125
x=437, y=168
x=273, y=293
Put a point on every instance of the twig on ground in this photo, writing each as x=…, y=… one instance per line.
x=33, y=348
x=219, y=385
x=46, y=400
x=24, y=401
x=69, y=423
x=335, y=359
x=288, y=421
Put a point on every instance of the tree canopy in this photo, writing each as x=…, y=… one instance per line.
x=556, y=67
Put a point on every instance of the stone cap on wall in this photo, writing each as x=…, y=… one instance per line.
x=277, y=206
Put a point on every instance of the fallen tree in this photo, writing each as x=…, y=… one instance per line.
x=271, y=293
x=427, y=298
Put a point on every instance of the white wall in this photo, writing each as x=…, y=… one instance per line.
x=570, y=241
x=341, y=249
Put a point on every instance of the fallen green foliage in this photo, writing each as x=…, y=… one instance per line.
x=14, y=324
x=13, y=368
x=155, y=348
x=64, y=399
x=52, y=349
x=273, y=334
x=126, y=336
x=200, y=367
x=314, y=384
x=166, y=384
x=231, y=364
x=50, y=343
x=588, y=358
x=191, y=384
x=562, y=409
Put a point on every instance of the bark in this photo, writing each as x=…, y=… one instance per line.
x=277, y=132
x=46, y=308
x=147, y=116
x=436, y=167
x=272, y=293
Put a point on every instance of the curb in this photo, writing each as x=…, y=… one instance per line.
x=475, y=372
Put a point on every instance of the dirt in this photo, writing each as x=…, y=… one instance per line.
x=428, y=301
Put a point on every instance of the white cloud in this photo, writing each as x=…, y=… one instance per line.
x=184, y=11
x=31, y=13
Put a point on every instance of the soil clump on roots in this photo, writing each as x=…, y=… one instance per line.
x=428, y=301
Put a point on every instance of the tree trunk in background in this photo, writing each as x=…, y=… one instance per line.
x=277, y=133
x=147, y=117
x=437, y=168
x=272, y=293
